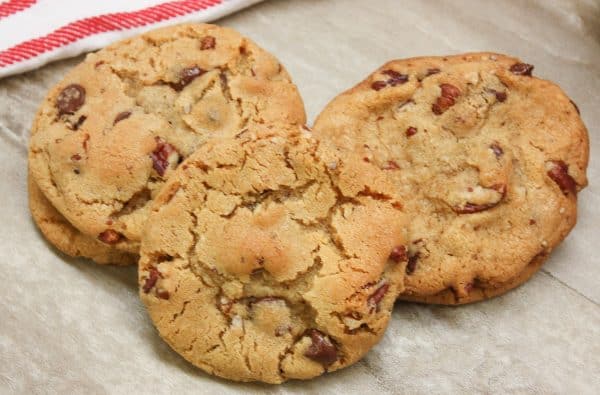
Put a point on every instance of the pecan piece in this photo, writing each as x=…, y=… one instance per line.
x=377, y=296
x=321, y=349
x=110, y=236
x=151, y=280
x=163, y=155
x=399, y=254
x=447, y=99
x=558, y=172
x=470, y=208
x=208, y=42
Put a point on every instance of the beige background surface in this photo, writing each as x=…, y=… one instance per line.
x=69, y=326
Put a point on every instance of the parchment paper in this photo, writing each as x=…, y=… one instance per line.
x=70, y=326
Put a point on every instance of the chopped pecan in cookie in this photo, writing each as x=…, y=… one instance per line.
x=447, y=99
x=110, y=236
x=208, y=42
x=163, y=156
x=558, y=171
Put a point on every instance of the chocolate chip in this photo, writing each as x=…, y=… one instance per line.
x=378, y=85
x=398, y=254
x=160, y=156
x=76, y=170
x=151, y=280
x=558, y=172
x=396, y=78
x=411, y=131
x=521, y=69
x=532, y=222
x=497, y=149
x=208, y=42
x=70, y=99
x=110, y=236
x=412, y=263
x=377, y=296
x=186, y=76
x=321, y=349
x=121, y=116
x=391, y=165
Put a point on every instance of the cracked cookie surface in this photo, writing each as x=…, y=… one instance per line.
x=66, y=238
x=486, y=158
x=266, y=258
x=106, y=137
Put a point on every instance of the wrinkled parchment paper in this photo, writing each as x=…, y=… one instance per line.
x=70, y=326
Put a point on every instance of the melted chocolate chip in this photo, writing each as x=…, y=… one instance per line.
x=121, y=116
x=186, y=76
x=521, y=69
x=208, y=42
x=70, y=99
x=559, y=174
x=321, y=349
x=110, y=236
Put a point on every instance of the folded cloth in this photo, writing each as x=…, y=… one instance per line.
x=35, y=32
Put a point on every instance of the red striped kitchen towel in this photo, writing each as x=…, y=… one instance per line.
x=35, y=32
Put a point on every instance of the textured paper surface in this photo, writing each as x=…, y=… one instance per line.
x=69, y=326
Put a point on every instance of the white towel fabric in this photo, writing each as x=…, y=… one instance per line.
x=35, y=32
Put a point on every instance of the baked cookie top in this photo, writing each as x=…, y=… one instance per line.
x=68, y=240
x=266, y=259
x=113, y=130
x=486, y=158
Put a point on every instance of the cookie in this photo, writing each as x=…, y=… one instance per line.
x=108, y=136
x=486, y=158
x=62, y=235
x=267, y=259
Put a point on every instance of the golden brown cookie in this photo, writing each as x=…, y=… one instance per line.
x=267, y=259
x=62, y=235
x=108, y=136
x=486, y=158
